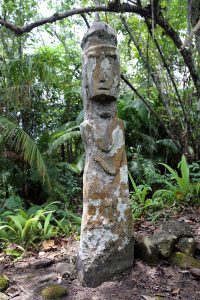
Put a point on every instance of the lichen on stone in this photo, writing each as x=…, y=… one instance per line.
x=54, y=291
x=184, y=261
x=4, y=283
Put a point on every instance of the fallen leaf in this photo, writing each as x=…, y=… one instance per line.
x=175, y=291
x=48, y=244
x=152, y=273
x=148, y=297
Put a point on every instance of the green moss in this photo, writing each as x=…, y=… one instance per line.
x=184, y=261
x=4, y=283
x=54, y=292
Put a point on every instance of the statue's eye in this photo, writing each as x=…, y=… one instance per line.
x=93, y=56
x=111, y=56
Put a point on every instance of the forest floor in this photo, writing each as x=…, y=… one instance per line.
x=37, y=269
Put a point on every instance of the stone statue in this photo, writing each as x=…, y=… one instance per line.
x=106, y=245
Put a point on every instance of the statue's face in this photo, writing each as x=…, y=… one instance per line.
x=101, y=72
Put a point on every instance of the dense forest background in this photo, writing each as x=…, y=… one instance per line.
x=41, y=152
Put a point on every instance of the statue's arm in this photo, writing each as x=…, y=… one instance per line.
x=108, y=168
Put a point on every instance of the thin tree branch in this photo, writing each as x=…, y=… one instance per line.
x=111, y=7
x=186, y=53
x=154, y=77
x=151, y=110
x=125, y=7
x=167, y=68
x=85, y=19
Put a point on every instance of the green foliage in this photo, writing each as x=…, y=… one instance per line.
x=14, y=251
x=174, y=190
x=28, y=227
x=139, y=201
x=183, y=188
x=24, y=229
x=13, y=202
x=69, y=132
x=21, y=141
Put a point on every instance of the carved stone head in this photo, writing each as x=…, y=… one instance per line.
x=101, y=66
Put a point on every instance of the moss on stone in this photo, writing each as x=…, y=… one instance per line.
x=184, y=261
x=4, y=283
x=54, y=291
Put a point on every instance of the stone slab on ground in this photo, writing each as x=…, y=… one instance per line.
x=178, y=228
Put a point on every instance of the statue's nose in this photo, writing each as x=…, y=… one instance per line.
x=102, y=77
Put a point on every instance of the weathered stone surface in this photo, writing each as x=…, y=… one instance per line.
x=164, y=242
x=146, y=250
x=178, y=228
x=195, y=272
x=47, y=278
x=66, y=269
x=44, y=263
x=3, y=296
x=103, y=267
x=186, y=245
x=106, y=245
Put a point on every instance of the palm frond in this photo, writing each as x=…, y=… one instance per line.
x=21, y=141
x=64, y=136
x=168, y=143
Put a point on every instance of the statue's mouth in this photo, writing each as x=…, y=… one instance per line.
x=105, y=115
x=103, y=89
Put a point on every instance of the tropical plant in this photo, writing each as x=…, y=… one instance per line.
x=38, y=223
x=139, y=200
x=24, y=229
x=21, y=142
x=183, y=189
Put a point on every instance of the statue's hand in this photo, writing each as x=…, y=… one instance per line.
x=105, y=165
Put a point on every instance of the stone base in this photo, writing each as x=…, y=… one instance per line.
x=105, y=266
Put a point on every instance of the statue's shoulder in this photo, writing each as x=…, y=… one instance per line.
x=86, y=125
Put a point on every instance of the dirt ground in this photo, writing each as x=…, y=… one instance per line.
x=30, y=274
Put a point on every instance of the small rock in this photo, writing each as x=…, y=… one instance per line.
x=44, y=263
x=41, y=253
x=184, y=261
x=66, y=269
x=178, y=228
x=55, y=291
x=195, y=272
x=3, y=296
x=62, y=268
x=164, y=242
x=146, y=250
x=186, y=245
